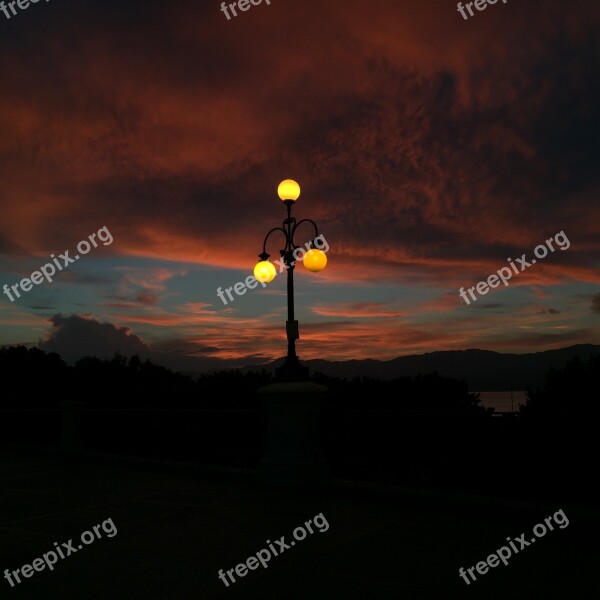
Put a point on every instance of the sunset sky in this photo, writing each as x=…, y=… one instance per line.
x=429, y=150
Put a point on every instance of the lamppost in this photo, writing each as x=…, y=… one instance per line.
x=314, y=260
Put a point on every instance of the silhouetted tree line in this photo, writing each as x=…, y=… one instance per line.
x=560, y=430
x=40, y=379
x=426, y=430
x=430, y=392
x=34, y=378
x=569, y=392
x=30, y=376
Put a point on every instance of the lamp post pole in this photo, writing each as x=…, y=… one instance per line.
x=291, y=370
x=291, y=326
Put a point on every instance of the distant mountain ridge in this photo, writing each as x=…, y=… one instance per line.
x=484, y=370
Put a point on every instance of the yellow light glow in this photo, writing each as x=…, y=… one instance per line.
x=265, y=271
x=315, y=260
x=288, y=190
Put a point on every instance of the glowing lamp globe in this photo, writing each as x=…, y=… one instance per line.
x=288, y=190
x=315, y=260
x=265, y=271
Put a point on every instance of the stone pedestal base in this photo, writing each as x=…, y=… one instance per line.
x=71, y=442
x=293, y=456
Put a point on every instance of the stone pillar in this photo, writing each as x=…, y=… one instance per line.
x=293, y=455
x=70, y=432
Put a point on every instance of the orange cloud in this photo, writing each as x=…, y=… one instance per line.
x=356, y=309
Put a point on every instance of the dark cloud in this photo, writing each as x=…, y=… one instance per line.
x=448, y=142
x=74, y=337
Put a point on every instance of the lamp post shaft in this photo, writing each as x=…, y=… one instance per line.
x=290, y=299
x=291, y=325
x=291, y=369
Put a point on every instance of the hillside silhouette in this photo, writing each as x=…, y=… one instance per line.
x=483, y=370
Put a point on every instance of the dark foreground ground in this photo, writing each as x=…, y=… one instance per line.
x=177, y=528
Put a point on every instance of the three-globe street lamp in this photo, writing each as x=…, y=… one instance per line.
x=314, y=260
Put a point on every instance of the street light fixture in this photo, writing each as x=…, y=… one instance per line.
x=314, y=260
